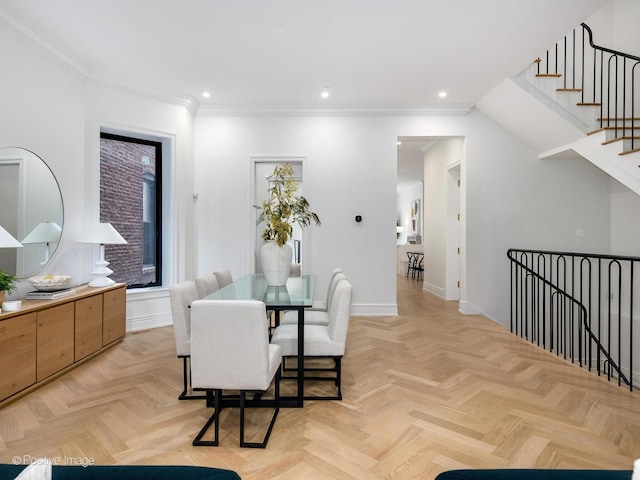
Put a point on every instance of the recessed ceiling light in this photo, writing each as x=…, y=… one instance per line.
x=206, y=94
x=442, y=94
x=398, y=142
x=325, y=92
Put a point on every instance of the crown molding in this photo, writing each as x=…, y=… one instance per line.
x=81, y=70
x=84, y=72
x=347, y=110
x=144, y=90
x=30, y=36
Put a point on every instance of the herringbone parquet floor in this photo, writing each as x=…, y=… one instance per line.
x=427, y=391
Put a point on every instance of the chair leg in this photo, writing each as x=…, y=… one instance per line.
x=186, y=381
x=338, y=361
x=262, y=444
x=215, y=419
x=337, y=380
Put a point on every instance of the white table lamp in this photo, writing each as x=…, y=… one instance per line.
x=7, y=241
x=101, y=234
x=47, y=233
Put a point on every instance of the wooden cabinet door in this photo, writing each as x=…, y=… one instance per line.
x=114, y=315
x=17, y=354
x=88, y=328
x=55, y=332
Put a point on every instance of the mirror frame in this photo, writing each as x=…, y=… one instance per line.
x=21, y=157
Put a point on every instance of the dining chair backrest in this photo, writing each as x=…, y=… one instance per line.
x=181, y=296
x=340, y=313
x=337, y=278
x=323, y=304
x=224, y=277
x=207, y=284
x=230, y=345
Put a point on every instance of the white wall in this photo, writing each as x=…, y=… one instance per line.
x=350, y=170
x=625, y=227
x=626, y=37
x=123, y=111
x=54, y=113
x=437, y=159
x=511, y=198
x=43, y=111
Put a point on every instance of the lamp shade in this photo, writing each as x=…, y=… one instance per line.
x=7, y=241
x=45, y=232
x=102, y=233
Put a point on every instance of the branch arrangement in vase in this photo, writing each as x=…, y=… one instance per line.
x=284, y=208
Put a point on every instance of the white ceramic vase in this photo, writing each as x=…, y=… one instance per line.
x=276, y=262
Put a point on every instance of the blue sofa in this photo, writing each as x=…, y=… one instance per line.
x=129, y=472
x=534, y=474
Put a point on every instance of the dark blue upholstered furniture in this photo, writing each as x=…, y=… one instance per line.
x=535, y=474
x=128, y=472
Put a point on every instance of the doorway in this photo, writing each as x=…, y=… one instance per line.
x=262, y=169
x=10, y=218
x=436, y=165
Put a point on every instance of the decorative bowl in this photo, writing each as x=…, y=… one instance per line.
x=11, y=305
x=48, y=283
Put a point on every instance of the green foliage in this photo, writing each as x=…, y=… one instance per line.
x=7, y=282
x=285, y=208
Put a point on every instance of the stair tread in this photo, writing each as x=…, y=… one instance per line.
x=568, y=89
x=586, y=104
x=627, y=152
x=552, y=75
x=619, y=139
x=602, y=129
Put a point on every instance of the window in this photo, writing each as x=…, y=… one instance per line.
x=131, y=200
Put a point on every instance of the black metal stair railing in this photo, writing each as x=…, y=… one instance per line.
x=605, y=77
x=579, y=306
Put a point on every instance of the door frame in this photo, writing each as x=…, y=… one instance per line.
x=255, y=159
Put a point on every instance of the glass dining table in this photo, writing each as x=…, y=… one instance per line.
x=296, y=295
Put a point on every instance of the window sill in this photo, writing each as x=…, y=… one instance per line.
x=147, y=293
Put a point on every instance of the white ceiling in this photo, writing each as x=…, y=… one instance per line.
x=376, y=54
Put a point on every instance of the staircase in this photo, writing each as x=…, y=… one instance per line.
x=586, y=101
x=580, y=306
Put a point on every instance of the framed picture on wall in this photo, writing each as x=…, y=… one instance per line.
x=415, y=217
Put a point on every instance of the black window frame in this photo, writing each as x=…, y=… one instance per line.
x=158, y=201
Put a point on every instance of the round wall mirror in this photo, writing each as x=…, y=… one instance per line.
x=31, y=210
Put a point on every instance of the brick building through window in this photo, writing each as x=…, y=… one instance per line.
x=130, y=193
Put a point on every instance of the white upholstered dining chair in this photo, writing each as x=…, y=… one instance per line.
x=207, y=283
x=322, y=340
x=323, y=305
x=311, y=316
x=181, y=295
x=230, y=350
x=224, y=277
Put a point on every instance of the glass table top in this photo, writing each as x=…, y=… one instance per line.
x=298, y=292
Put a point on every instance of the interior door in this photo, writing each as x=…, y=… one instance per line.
x=263, y=170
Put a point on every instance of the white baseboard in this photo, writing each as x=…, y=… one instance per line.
x=468, y=309
x=375, y=310
x=148, y=321
x=145, y=322
x=434, y=290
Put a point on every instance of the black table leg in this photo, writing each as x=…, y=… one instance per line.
x=300, y=401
